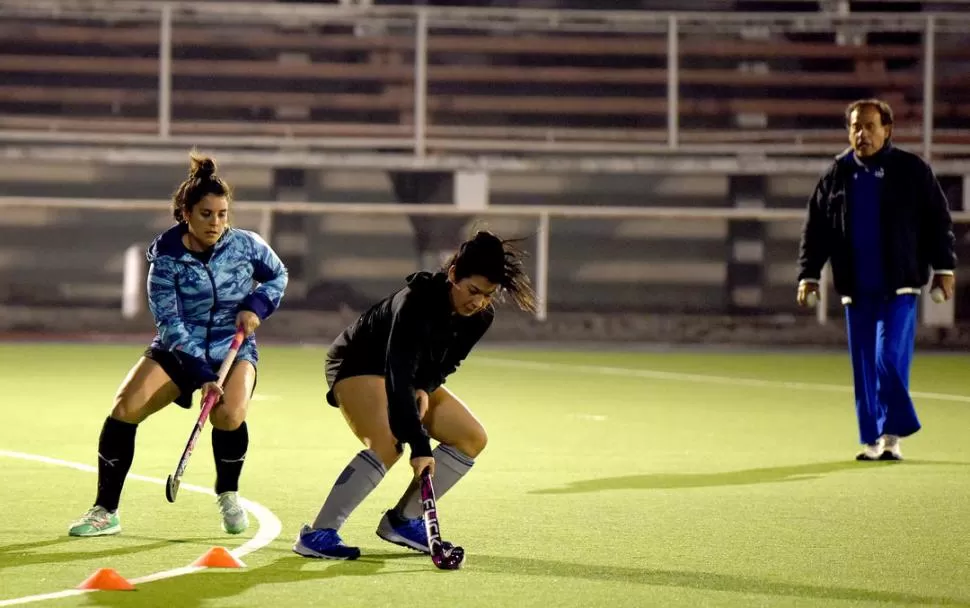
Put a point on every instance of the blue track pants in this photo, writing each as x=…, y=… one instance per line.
x=882, y=333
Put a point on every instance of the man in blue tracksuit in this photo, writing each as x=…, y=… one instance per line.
x=880, y=217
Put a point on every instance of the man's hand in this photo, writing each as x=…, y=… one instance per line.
x=804, y=289
x=946, y=282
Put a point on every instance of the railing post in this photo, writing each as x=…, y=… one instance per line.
x=421, y=82
x=929, y=69
x=165, y=72
x=542, y=267
x=266, y=224
x=133, y=281
x=673, y=83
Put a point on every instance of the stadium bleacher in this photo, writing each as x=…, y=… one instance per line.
x=332, y=80
x=528, y=86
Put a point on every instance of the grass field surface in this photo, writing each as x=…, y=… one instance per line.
x=610, y=479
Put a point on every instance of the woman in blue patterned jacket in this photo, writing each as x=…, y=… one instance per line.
x=200, y=289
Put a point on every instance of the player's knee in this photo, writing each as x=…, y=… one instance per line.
x=227, y=418
x=475, y=441
x=129, y=406
x=386, y=450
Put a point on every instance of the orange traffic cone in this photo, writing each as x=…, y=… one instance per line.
x=218, y=557
x=106, y=579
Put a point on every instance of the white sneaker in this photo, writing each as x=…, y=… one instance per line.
x=871, y=451
x=891, y=447
x=234, y=518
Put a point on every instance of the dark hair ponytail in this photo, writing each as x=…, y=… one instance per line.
x=500, y=261
x=202, y=181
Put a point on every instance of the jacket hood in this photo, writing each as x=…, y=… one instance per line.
x=432, y=286
x=423, y=279
x=169, y=243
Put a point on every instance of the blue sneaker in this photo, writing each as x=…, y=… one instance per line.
x=409, y=533
x=324, y=544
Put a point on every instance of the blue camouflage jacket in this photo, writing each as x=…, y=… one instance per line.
x=195, y=303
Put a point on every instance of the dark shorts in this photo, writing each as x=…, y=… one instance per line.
x=332, y=371
x=338, y=369
x=171, y=365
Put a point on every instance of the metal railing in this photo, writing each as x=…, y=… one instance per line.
x=268, y=210
x=425, y=142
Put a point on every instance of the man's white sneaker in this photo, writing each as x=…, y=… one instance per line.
x=871, y=451
x=891, y=448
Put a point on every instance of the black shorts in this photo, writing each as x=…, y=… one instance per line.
x=171, y=365
x=339, y=369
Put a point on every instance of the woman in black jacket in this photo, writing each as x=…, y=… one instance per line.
x=386, y=373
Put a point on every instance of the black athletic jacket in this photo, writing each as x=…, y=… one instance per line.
x=415, y=340
x=917, y=231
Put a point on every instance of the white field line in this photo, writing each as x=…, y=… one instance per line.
x=631, y=372
x=269, y=528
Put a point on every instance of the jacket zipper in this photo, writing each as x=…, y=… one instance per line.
x=212, y=314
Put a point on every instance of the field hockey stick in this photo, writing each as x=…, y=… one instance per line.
x=444, y=555
x=208, y=402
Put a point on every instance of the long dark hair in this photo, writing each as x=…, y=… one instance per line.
x=498, y=260
x=202, y=181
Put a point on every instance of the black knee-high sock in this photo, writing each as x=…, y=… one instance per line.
x=116, y=450
x=229, y=450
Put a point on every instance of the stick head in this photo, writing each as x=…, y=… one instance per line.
x=444, y=555
x=450, y=557
x=172, y=488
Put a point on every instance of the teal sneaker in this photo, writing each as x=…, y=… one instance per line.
x=234, y=518
x=98, y=521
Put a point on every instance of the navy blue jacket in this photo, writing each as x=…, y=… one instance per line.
x=195, y=304
x=916, y=231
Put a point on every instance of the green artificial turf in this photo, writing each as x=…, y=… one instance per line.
x=694, y=479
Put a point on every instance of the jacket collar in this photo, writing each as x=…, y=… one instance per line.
x=169, y=243
x=848, y=155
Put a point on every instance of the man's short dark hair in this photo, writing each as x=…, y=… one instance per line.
x=885, y=112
